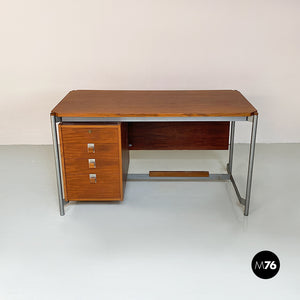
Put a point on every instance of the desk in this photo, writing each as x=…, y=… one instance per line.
x=117, y=121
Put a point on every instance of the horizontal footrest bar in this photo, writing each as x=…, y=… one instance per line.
x=146, y=177
x=179, y=174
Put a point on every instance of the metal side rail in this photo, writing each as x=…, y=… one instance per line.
x=241, y=199
x=244, y=201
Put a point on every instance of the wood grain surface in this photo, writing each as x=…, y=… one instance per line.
x=176, y=103
x=179, y=174
x=178, y=135
x=111, y=161
x=79, y=134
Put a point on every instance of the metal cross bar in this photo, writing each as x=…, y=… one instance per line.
x=146, y=177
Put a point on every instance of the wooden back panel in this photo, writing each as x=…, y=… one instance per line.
x=178, y=135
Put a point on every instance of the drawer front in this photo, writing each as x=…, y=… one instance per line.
x=84, y=134
x=92, y=165
x=101, y=151
x=83, y=188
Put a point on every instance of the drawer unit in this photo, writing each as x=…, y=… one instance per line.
x=94, y=161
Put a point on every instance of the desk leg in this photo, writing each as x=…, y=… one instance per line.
x=232, y=129
x=57, y=165
x=244, y=201
x=250, y=164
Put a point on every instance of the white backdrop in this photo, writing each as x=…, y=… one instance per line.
x=49, y=47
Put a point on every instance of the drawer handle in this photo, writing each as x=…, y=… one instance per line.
x=91, y=148
x=92, y=163
x=93, y=178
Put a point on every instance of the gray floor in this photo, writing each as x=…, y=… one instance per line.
x=167, y=240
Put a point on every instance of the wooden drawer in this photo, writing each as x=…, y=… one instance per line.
x=106, y=188
x=83, y=164
x=110, y=154
x=84, y=134
x=102, y=151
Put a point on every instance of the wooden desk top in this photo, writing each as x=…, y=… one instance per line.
x=176, y=103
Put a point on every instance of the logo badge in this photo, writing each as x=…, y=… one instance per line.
x=265, y=264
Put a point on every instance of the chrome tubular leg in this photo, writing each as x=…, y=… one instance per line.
x=57, y=165
x=250, y=165
x=229, y=165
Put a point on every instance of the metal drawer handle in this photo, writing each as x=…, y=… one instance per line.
x=93, y=178
x=92, y=163
x=91, y=148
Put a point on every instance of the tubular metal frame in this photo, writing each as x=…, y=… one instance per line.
x=57, y=159
x=142, y=177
